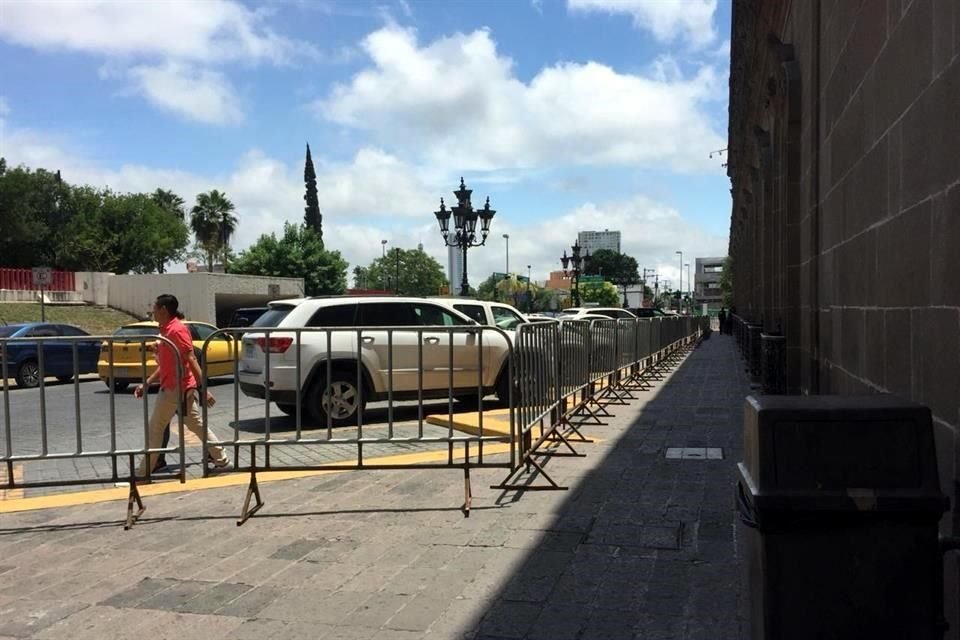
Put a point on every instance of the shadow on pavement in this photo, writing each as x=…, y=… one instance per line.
x=373, y=416
x=643, y=547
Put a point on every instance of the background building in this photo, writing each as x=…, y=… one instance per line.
x=454, y=269
x=594, y=240
x=844, y=159
x=706, y=283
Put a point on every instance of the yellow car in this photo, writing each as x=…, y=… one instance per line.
x=128, y=356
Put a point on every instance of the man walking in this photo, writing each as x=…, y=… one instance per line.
x=166, y=312
x=722, y=316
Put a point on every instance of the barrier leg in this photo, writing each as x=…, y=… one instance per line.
x=133, y=496
x=467, y=491
x=253, y=489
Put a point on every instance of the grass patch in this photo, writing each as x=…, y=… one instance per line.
x=99, y=321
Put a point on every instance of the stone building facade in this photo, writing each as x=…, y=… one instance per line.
x=844, y=160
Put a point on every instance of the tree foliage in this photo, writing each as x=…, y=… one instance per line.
x=726, y=282
x=299, y=252
x=121, y=233
x=527, y=298
x=618, y=268
x=408, y=272
x=47, y=222
x=605, y=294
x=312, y=217
x=213, y=224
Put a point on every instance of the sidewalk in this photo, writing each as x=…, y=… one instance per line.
x=641, y=546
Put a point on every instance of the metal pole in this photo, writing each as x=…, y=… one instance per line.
x=396, y=282
x=506, y=237
x=43, y=312
x=464, y=285
x=529, y=301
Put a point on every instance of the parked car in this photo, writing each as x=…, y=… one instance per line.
x=339, y=396
x=245, y=316
x=647, y=312
x=588, y=313
x=485, y=312
x=538, y=317
x=128, y=355
x=23, y=358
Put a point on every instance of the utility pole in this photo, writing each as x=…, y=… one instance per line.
x=646, y=271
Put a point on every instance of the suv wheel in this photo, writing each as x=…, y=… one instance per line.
x=339, y=398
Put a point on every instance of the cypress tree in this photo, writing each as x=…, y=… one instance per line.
x=312, y=217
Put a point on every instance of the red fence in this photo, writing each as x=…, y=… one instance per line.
x=22, y=280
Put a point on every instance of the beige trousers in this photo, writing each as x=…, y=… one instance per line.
x=164, y=409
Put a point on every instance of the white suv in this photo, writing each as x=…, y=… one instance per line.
x=589, y=313
x=491, y=314
x=379, y=352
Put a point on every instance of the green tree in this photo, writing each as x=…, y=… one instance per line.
x=171, y=202
x=312, y=217
x=121, y=233
x=213, y=224
x=32, y=217
x=361, y=277
x=299, y=252
x=726, y=282
x=408, y=272
x=618, y=268
x=605, y=294
x=488, y=289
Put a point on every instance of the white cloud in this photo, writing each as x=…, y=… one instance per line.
x=667, y=20
x=651, y=232
x=375, y=196
x=456, y=97
x=208, y=31
x=196, y=94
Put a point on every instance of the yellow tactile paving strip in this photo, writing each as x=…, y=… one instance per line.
x=227, y=480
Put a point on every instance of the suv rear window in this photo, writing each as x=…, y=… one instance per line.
x=273, y=316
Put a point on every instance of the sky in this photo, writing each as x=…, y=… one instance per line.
x=569, y=115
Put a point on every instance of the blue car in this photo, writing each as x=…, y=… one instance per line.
x=23, y=361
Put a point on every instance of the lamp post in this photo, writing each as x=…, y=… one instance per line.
x=464, y=235
x=529, y=301
x=506, y=237
x=396, y=281
x=578, y=263
x=680, y=287
x=689, y=289
x=383, y=248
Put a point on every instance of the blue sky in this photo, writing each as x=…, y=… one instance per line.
x=569, y=114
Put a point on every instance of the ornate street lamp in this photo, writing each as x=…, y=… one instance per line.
x=464, y=233
x=578, y=263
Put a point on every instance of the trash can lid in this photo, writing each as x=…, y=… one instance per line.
x=857, y=453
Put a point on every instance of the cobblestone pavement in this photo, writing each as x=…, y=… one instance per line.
x=641, y=546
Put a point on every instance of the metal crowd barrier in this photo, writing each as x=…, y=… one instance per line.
x=301, y=402
x=30, y=452
x=397, y=364
x=601, y=362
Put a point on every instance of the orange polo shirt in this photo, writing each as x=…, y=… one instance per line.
x=177, y=333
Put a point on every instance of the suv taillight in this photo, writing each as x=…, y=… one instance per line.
x=274, y=345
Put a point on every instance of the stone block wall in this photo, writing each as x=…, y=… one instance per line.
x=845, y=172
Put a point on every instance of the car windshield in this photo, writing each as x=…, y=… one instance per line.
x=272, y=317
x=6, y=332
x=136, y=331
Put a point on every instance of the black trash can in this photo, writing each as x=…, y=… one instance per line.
x=842, y=501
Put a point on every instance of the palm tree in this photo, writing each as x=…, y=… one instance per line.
x=169, y=201
x=213, y=224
